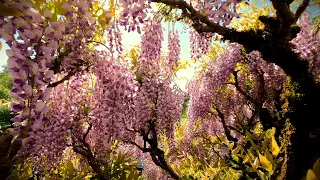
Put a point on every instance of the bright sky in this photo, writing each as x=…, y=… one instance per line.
x=3, y=55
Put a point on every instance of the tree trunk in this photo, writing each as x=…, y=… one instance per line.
x=157, y=156
x=304, y=117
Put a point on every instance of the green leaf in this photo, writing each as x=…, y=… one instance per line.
x=70, y=169
x=230, y=146
x=8, y=11
x=265, y=144
x=262, y=175
x=58, y=5
x=268, y=155
x=256, y=163
x=316, y=168
x=236, y=150
x=311, y=175
x=131, y=176
x=274, y=147
x=265, y=163
x=250, y=138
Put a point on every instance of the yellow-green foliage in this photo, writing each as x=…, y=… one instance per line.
x=193, y=166
x=122, y=166
x=22, y=171
x=68, y=170
x=250, y=16
x=262, y=156
x=314, y=173
x=8, y=11
x=133, y=56
x=73, y=167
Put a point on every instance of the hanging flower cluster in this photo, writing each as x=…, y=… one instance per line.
x=267, y=78
x=69, y=103
x=308, y=45
x=114, y=93
x=213, y=78
x=220, y=12
x=30, y=56
x=156, y=99
x=39, y=48
x=222, y=96
x=115, y=38
x=174, y=49
x=151, y=42
x=133, y=13
x=199, y=43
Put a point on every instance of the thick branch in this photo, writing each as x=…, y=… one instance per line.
x=157, y=156
x=195, y=16
x=143, y=149
x=285, y=16
x=150, y=137
x=57, y=61
x=201, y=23
x=88, y=130
x=301, y=9
x=85, y=150
x=289, y=1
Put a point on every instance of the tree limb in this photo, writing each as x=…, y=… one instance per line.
x=65, y=78
x=225, y=127
x=68, y=76
x=301, y=9
x=194, y=15
x=86, y=152
x=92, y=41
x=236, y=84
x=87, y=132
x=285, y=16
x=143, y=149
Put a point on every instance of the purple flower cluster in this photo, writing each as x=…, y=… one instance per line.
x=133, y=13
x=151, y=42
x=220, y=12
x=30, y=55
x=174, y=49
x=199, y=43
x=308, y=45
x=40, y=48
x=215, y=76
x=113, y=102
x=223, y=95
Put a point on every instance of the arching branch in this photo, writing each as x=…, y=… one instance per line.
x=301, y=9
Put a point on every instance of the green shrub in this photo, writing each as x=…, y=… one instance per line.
x=5, y=116
x=5, y=84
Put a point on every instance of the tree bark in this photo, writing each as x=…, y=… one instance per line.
x=157, y=156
